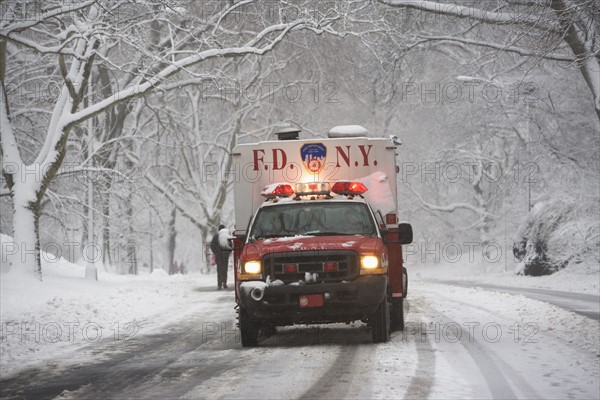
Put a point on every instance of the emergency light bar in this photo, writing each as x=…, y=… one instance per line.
x=345, y=188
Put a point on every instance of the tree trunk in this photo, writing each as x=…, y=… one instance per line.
x=131, y=244
x=106, y=183
x=91, y=272
x=26, y=254
x=205, y=237
x=132, y=258
x=580, y=33
x=171, y=240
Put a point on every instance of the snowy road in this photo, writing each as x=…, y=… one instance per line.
x=583, y=304
x=459, y=343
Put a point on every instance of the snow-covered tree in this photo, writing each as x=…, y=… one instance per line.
x=530, y=29
x=78, y=36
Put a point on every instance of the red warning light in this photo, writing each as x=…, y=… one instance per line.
x=279, y=190
x=349, y=188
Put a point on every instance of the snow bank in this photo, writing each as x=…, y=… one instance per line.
x=43, y=320
x=577, y=278
x=566, y=325
x=555, y=234
x=159, y=273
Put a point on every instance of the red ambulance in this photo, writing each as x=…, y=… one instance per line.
x=317, y=233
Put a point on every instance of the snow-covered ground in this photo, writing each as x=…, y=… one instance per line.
x=515, y=347
x=41, y=321
x=182, y=343
x=578, y=278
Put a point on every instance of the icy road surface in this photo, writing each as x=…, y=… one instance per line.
x=459, y=343
x=585, y=304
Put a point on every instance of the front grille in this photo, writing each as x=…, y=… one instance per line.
x=313, y=262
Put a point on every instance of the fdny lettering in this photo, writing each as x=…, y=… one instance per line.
x=345, y=157
x=279, y=158
x=256, y=158
x=365, y=154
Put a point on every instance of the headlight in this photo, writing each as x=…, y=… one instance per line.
x=369, y=262
x=252, y=267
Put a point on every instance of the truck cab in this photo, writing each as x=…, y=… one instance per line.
x=319, y=250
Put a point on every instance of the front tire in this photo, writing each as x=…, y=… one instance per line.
x=397, y=314
x=380, y=323
x=249, y=329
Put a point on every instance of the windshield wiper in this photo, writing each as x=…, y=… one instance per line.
x=270, y=236
x=328, y=233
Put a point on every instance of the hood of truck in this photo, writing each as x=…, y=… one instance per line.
x=360, y=244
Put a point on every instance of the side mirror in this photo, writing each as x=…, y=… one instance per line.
x=241, y=239
x=405, y=233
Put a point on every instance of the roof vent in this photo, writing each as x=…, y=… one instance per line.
x=343, y=131
x=287, y=133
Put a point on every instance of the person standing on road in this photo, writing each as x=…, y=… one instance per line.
x=221, y=247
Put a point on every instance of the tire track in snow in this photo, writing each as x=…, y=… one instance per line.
x=550, y=362
x=335, y=382
x=420, y=385
x=515, y=376
x=498, y=385
x=130, y=366
x=345, y=378
x=494, y=369
x=125, y=372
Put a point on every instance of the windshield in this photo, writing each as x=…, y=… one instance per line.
x=334, y=218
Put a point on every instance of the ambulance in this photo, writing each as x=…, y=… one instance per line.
x=317, y=237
